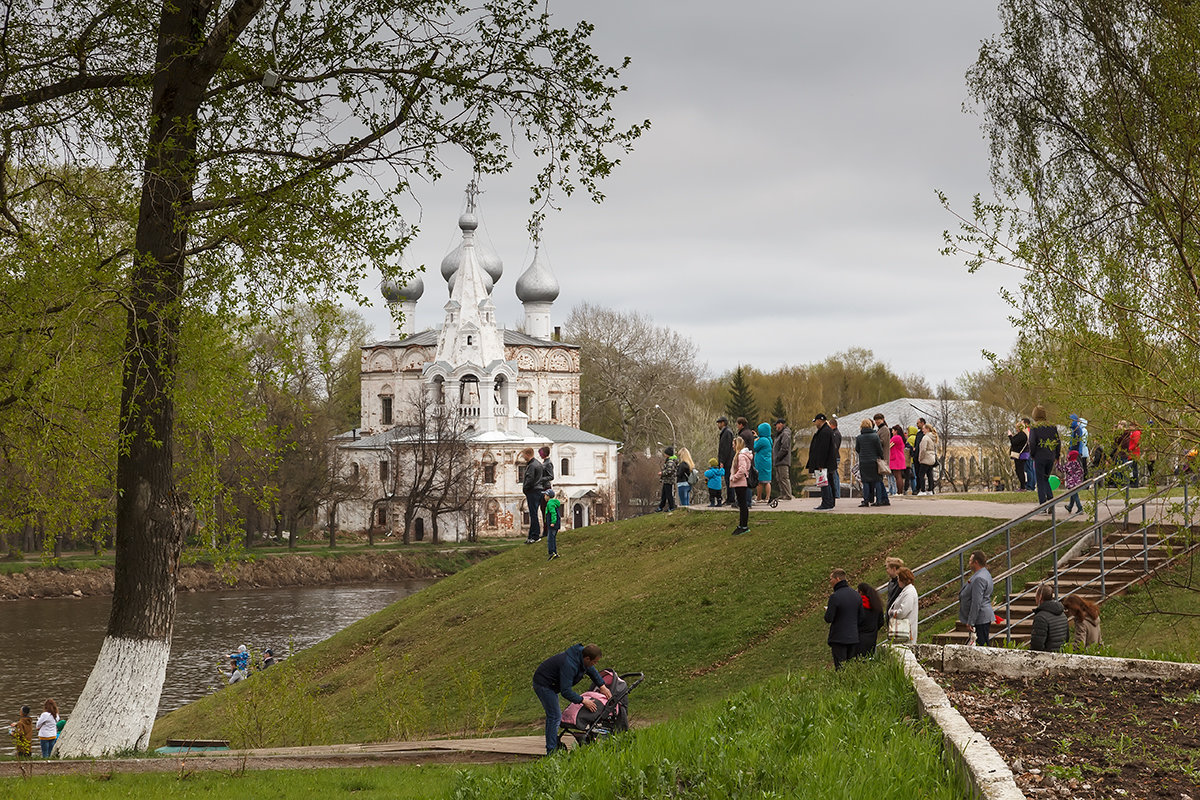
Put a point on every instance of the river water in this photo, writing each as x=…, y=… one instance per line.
x=50, y=645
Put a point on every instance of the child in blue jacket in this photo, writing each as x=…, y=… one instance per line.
x=714, y=475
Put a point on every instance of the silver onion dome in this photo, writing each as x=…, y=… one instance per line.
x=393, y=292
x=489, y=262
x=537, y=284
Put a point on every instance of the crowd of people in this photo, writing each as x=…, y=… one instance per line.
x=1036, y=448
x=856, y=617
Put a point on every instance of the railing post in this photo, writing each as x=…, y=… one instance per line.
x=1103, y=587
x=1096, y=502
x=1128, y=480
x=1008, y=545
x=961, y=568
x=1145, y=549
x=1008, y=609
x=1054, y=543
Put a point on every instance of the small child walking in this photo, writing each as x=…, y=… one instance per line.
x=714, y=475
x=553, y=520
x=22, y=733
x=1072, y=477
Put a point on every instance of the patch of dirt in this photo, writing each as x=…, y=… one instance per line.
x=1085, y=737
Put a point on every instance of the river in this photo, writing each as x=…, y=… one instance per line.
x=50, y=645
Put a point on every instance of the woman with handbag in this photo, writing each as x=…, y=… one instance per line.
x=1018, y=440
x=902, y=616
x=870, y=455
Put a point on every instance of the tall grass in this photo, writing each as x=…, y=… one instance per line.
x=850, y=734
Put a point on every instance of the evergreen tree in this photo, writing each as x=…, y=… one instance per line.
x=778, y=412
x=741, y=399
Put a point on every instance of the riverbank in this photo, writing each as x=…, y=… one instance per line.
x=265, y=570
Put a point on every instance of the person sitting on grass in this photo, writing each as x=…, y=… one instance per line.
x=557, y=675
x=1050, y=626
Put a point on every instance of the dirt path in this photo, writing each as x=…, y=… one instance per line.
x=504, y=749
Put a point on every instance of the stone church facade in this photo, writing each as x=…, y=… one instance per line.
x=512, y=391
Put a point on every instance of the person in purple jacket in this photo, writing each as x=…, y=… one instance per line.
x=557, y=675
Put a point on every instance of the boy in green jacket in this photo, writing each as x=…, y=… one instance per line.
x=553, y=520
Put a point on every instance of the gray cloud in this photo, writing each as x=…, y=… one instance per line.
x=782, y=206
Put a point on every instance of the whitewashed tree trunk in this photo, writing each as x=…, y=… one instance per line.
x=117, y=708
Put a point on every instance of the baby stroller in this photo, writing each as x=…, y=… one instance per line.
x=611, y=715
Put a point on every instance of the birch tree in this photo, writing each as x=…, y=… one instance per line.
x=267, y=142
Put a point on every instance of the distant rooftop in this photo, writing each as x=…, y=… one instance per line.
x=429, y=338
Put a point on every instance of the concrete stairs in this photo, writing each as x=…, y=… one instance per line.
x=1079, y=574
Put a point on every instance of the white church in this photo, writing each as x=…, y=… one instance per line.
x=514, y=391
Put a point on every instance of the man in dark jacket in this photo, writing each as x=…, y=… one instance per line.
x=822, y=455
x=844, y=614
x=558, y=674
x=1050, y=627
x=725, y=455
x=781, y=458
x=532, y=487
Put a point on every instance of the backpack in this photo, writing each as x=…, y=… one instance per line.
x=752, y=477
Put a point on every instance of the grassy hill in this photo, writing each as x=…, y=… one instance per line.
x=701, y=612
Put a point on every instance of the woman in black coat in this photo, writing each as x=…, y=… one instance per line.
x=1018, y=440
x=872, y=621
x=1045, y=449
x=869, y=448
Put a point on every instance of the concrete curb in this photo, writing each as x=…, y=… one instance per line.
x=1023, y=663
x=968, y=750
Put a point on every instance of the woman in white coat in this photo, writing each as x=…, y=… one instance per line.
x=905, y=607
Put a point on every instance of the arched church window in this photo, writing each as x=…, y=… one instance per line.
x=385, y=410
x=565, y=467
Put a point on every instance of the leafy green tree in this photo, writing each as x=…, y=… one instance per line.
x=1090, y=106
x=742, y=402
x=270, y=143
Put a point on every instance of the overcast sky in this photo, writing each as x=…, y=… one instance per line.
x=782, y=207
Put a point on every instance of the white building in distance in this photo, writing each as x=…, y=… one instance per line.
x=513, y=392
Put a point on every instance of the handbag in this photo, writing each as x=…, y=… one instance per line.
x=883, y=466
x=1014, y=454
x=822, y=477
x=898, y=629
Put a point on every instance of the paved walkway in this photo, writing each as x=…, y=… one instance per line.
x=918, y=506
x=441, y=751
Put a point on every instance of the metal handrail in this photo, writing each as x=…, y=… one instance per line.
x=1100, y=507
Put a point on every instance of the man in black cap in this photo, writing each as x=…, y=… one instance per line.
x=725, y=455
x=782, y=458
x=822, y=455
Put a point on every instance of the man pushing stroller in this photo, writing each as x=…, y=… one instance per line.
x=557, y=675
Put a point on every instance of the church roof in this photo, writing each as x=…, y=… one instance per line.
x=429, y=338
x=563, y=434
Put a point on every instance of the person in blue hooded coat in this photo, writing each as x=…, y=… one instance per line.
x=1079, y=440
x=762, y=462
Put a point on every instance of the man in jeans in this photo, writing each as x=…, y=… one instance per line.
x=558, y=674
x=782, y=458
x=532, y=487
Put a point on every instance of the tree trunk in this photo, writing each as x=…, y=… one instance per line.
x=332, y=522
x=117, y=708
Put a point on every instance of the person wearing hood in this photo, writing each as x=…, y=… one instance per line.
x=763, y=450
x=1079, y=440
x=1050, y=626
x=669, y=476
x=239, y=664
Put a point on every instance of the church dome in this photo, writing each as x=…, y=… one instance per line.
x=537, y=284
x=393, y=292
x=488, y=260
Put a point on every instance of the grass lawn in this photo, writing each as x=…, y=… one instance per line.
x=817, y=733
x=703, y=613
x=373, y=783
x=1160, y=619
